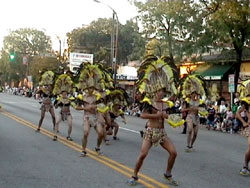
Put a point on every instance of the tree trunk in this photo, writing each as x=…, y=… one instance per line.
x=237, y=68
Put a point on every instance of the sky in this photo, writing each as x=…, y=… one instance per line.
x=57, y=17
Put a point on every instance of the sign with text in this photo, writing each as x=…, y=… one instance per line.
x=76, y=59
x=231, y=83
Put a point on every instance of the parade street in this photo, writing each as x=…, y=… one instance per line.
x=29, y=159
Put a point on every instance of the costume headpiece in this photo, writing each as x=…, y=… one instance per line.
x=63, y=83
x=47, y=78
x=119, y=96
x=192, y=84
x=155, y=74
x=107, y=76
x=244, y=90
x=91, y=76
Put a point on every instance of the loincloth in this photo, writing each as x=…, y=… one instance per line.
x=65, y=115
x=193, y=119
x=91, y=119
x=46, y=107
x=155, y=135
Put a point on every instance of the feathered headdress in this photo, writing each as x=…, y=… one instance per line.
x=192, y=84
x=107, y=76
x=119, y=96
x=91, y=76
x=63, y=83
x=244, y=90
x=47, y=78
x=155, y=74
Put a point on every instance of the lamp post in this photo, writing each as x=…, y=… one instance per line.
x=60, y=48
x=114, y=39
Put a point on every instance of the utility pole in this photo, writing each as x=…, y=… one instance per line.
x=114, y=39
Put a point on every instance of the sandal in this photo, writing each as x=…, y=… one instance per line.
x=55, y=138
x=170, y=180
x=245, y=171
x=115, y=138
x=98, y=151
x=189, y=149
x=141, y=133
x=106, y=142
x=69, y=138
x=132, y=181
x=83, y=154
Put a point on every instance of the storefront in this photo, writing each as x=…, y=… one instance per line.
x=245, y=71
x=126, y=78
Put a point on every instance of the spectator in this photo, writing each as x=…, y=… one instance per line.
x=228, y=121
x=211, y=116
x=218, y=122
x=237, y=98
x=223, y=108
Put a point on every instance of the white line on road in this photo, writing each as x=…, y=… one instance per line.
x=130, y=130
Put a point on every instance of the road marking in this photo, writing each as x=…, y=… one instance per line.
x=130, y=130
x=143, y=179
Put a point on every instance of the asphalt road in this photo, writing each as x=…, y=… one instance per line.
x=30, y=159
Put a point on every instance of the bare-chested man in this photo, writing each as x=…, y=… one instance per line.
x=47, y=106
x=243, y=118
x=155, y=134
x=193, y=120
x=64, y=102
x=90, y=120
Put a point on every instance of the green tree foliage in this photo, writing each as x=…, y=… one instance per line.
x=96, y=39
x=24, y=41
x=27, y=41
x=175, y=23
x=228, y=21
x=175, y=27
x=40, y=64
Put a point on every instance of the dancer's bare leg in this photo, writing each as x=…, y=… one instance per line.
x=169, y=146
x=146, y=145
x=52, y=113
x=195, y=130
x=41, y=119
x=70, y=123
x=86, y=130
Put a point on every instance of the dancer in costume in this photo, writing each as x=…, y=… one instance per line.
x=103, y=105
x=90, y=81
x=63, y=88
x=191, y=90
x=119, y=100
x=155, y=81
x=46, y=83
x=103, y=116
x=243, y=117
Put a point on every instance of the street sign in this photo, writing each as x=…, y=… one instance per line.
x=231, y=86
x=76, y=59
x=29, y=78
x=25, y=60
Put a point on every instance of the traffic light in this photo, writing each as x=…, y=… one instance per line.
x=12, y=56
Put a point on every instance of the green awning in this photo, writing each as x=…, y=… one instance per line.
x=212, y=72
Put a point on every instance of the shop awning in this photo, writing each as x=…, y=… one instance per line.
x=212, y=72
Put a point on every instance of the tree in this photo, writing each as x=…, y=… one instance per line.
x=95, y=39
x=40, y=64
x=176, y=24
x=24, y=41
x=229, y=21
x=27, y=41
x=131, y=43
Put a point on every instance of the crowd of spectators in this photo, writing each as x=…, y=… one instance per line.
x=221, y=114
